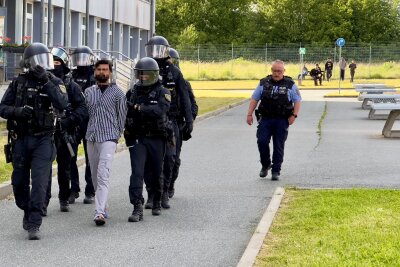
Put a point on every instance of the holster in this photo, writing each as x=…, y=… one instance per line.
x=258, y=115
x=8, y=149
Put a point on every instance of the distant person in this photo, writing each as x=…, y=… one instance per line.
x=304, y=73
x=352, y=67
x=328, y=69
x=316, y=74
x=342, y=66
x=279, y=106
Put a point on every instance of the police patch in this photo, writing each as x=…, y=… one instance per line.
x=298, y=91
x=168, y=97
x=63, y=88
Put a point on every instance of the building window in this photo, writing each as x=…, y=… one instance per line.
x=83, y=31
x=3, y=3
x=29, y=19
x=45, y=30
x=98, y=34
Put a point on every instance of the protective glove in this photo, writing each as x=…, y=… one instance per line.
x=24, y=112
x=40, y=74
x=187, y=130
x=66, y=123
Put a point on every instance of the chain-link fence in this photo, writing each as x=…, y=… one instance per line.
x=360, y=52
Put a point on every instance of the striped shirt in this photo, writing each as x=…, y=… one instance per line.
x=107, y=113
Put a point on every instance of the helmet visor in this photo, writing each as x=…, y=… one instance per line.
x=60, y=54
x=146, y=77
x=157, y=51
x=82, y=59
x=44, y=60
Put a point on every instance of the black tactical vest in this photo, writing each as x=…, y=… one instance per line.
x=136, y=123
x=29, y=93
x=274, y=99
x=169, y=83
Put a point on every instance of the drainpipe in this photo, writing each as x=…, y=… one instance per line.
x=87, y=24
x=66, y=23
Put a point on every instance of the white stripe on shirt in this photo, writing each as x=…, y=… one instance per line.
x=107, y=113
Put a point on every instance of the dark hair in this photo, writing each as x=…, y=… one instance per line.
x=102, y=62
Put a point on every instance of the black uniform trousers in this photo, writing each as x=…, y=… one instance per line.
x=147, y=156
x=277, y=129
x=63, y=159
x=175, y=170
x=89, y=189
x=32, y=160
x=171, y=157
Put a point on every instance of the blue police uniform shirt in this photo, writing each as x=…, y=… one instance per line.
x=293, y=94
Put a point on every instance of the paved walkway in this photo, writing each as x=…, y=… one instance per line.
x=219, y=196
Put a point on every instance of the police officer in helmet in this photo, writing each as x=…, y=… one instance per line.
x=184, y=136
x=279, y=107
x=29, y=105
x=145, y=135
x=82, y=59
x=66, y=130
x=172, y=79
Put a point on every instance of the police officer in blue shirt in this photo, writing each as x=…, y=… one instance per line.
x=279, y=107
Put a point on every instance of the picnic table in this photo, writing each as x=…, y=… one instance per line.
x=393, y=115
x=368, y=99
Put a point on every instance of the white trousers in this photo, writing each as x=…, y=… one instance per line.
x=101, y=156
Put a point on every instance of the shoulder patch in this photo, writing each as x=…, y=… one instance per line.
x=298, y=92
x=63, y=88
x=167, y=97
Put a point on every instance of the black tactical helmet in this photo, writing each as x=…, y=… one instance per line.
x=82, y=56
x=38, y=54
x=146, y=72
x=61, y=54
x=174, y=55
x=157, y=47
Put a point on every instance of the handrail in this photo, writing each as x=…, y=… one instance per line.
x=124, y=56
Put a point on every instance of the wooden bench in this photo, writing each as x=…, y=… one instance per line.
x=393, y=115
x=368, y=99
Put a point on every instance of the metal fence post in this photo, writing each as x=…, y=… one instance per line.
x=198, y=61
x=266, y=56
x=370, y=59
x=232, y=63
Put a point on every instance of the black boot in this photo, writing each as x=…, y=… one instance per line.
x=34, y=233
x=156, y=211
x=165, y=201
x=137, y=213
x=25, y=220
x=149, y=203
x=171, y=190
x=64, y=206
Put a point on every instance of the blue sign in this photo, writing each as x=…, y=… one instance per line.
x=340, y=42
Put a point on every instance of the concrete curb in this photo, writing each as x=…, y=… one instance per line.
x=253, y=248
x=6, y=187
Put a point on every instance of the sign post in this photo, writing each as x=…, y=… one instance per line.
x=302, y=52
x=340, y=42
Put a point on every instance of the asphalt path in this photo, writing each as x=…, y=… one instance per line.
x=219, y=197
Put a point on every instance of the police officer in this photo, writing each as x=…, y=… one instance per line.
x=145, y=135
x=172, y=79
x=174, y=58
x=29, y=105
x=82, y=59
x=66, y=128
x=279, y=108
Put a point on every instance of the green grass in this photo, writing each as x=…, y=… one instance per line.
x=240, y=69
x=355, y=227
x=208, y=104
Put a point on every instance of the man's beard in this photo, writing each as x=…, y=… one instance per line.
x=101, y=78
